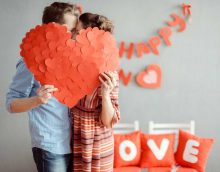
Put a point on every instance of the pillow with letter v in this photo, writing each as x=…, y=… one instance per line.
x=127, y=149
x=157, y=150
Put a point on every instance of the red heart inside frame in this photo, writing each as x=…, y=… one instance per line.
x=150, y=78
x=72, y=66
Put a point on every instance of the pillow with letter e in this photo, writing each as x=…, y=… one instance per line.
x=193, y=151
x=157, y=150
x=127, y=149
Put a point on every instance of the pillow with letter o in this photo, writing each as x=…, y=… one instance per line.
x=157, y=150
x=193, y=151
x=127, y=149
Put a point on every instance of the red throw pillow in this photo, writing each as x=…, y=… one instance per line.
x=160, y=169
x=127, y=169
x=127, y=149
x=193, y=151
x=157, y=150
x=183, y=169
x=169, y=169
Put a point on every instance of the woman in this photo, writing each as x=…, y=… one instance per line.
x=95, y=114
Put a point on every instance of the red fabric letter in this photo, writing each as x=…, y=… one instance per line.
x=154, y=42
x=177, y=21
x=125, y=79
x=128, y=50
x=165, y=33
x=142, y=48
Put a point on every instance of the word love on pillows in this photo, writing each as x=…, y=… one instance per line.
x=72, y=66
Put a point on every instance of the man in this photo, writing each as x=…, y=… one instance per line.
x=49, y=120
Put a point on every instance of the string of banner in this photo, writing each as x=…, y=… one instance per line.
x=151, y=77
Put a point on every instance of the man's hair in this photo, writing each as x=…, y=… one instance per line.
x=55, y=12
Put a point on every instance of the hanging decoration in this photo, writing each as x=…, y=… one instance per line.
x=147, y=78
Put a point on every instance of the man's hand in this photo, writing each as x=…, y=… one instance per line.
x=25, y=104
x=44, y=93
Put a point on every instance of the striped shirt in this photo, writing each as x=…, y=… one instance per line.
x=93, y=143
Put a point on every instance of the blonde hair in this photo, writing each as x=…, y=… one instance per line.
x=95, y=20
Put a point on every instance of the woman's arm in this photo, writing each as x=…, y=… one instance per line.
x=107, y=111
x=110, y=108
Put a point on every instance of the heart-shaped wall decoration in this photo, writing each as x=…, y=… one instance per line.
x=72, y=66
x=150, y=78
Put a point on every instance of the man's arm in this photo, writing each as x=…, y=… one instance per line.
x=17, y=99
x=25, y=104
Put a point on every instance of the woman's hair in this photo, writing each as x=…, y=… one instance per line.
x=95, y=20
x=55, y=12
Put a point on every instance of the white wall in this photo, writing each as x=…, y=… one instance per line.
x=191, y=68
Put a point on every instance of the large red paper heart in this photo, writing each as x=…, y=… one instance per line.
x=150, y=78
x=73, y=66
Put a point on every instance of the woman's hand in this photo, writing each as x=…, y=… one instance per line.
x=108, y=81
x=110, y=110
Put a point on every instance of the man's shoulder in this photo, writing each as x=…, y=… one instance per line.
x=22, y=68
x=20, y=62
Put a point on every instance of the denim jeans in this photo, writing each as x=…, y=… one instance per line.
x=50, y=162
